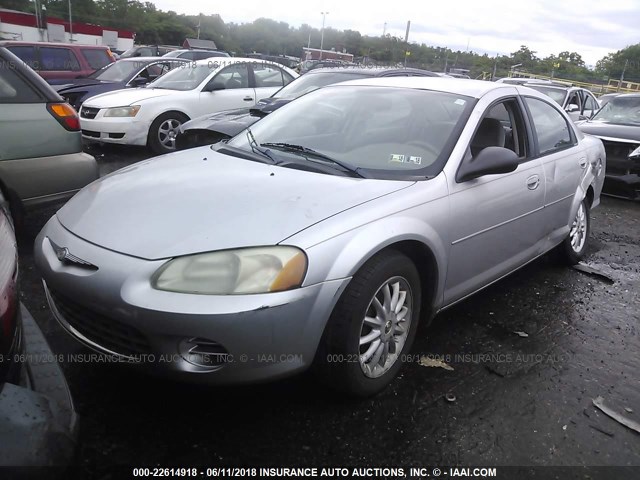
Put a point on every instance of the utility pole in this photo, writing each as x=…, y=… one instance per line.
x=324, y=15
x=406, y=41
x=199, y=23
x=70, y=24
x=626, y=64
x=384, y=29
x=495, y=67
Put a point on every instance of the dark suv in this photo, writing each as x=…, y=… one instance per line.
x=61, y=60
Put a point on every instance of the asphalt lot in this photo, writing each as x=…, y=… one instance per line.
x=519, y=400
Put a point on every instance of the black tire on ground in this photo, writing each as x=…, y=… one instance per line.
x=154, y=140
x=337, y=361
x=572, y=249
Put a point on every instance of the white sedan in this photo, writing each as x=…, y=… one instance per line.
x=151, y=116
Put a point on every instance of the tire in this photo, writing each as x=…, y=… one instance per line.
x=342, y=362
x=162, y=133
x=573, y=248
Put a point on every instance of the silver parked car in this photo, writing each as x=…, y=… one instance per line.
x=323, y=234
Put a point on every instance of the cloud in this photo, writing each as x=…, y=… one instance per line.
x=589, y=27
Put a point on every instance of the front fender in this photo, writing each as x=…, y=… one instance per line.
x=342, y=256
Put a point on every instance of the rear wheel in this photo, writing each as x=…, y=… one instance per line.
x=372, y=326
x=163, y=132
x=575, y=245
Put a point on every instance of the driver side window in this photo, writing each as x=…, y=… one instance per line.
x=502, y=126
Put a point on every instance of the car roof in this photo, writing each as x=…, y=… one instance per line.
x=371, y=71
x=154, y=59
x=222, y=61
x=8, y=43
x=459, y=86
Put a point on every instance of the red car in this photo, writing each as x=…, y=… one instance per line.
x=61, y=60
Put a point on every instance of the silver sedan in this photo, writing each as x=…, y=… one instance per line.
x=322, y=235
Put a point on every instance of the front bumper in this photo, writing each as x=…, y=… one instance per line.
x=117, y=130
x=39, y=425
x=116, y=312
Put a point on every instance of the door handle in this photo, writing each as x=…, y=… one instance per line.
x=583, y=163
x=248, y=99
x=533, y=181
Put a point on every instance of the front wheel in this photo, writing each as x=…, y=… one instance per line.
x=163, y=132
x=372, y=327
x=575, y=245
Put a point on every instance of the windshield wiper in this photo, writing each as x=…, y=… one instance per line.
x=309, y=152
x=255, y=147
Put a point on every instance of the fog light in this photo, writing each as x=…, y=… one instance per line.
x=204, y=353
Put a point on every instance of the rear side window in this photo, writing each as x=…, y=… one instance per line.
x=58, y=59
x=96, y=58
x=13, y=89
x=26, y=54
x=268, y=76
x=551, y=128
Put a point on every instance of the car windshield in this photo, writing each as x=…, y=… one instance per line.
x=390, y=132
x=117, y=71
x=174, y=53
x=557, y=95
x=185, y=77
x=620, y=111
x=312, y=81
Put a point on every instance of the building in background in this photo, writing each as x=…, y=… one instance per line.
x=314, y=54
x=26, y=27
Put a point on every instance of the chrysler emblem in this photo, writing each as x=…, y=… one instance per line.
x=64, y=255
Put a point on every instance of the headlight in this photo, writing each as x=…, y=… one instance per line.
x=122, y=111
x=234, y=272
x=635, y=153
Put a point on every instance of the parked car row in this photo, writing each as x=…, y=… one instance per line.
x=153, y=115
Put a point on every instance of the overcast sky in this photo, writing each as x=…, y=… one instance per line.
x=591, y=28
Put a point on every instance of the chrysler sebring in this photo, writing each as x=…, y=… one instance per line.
x=322, y=235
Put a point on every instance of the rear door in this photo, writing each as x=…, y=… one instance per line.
x=496, y=219
x=229, y=88
x=562, y=159
x=268, y=79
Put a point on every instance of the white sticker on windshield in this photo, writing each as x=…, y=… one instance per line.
x=415, y=160
x=460, y=102
x=394, y=157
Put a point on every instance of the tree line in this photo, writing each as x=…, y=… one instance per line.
x=154, y=26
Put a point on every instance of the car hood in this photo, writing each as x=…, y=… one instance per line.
x=200, y=200
x=63, y=86
x=128, y=96
x=230, y=122
x=612, y=131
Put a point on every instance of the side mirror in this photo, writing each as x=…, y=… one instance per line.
x=572, y=107
x=139, y=81
x=489, y=161
x=214, y=87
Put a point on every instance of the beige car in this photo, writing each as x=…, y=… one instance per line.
x=41, y=157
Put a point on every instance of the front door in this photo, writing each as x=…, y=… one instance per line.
x=496, y=219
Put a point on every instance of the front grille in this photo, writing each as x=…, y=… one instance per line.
x=105, y=332
x=89, y=112
x=618, y=161
x=90, y=133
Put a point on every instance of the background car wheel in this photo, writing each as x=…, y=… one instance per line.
x=372, y=326
x=575, y=245
x=163, y=131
